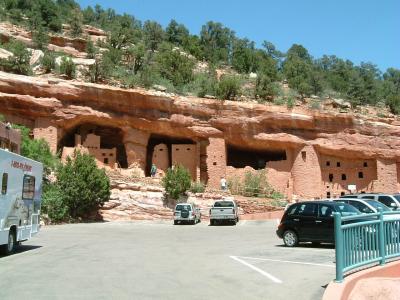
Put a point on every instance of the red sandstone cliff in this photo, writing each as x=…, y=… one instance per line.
x=67, y=104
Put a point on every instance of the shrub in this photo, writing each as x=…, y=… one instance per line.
x=176, y=181
x=84, y=187
x=99, y=71
x=53, y=204
x=255, y=183
x=19, y=62
x=197, y=187
x=265, y=88
x=91, y=50
x=228, y=87
x=393, y=101
x=67, y=67
x=48, y=62
x=290, y=102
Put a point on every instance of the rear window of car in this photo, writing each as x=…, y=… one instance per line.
x=223, y=204
x=377, y=205
x=397, y=197
x=368, y=197
x=346, y=209
x=181, y=207
x=348, y=196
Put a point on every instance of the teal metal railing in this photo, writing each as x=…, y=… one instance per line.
x=365, y=239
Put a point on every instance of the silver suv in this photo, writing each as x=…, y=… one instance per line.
x=391, y=201
x=186, y=212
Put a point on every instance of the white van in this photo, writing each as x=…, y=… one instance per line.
x=20, y=199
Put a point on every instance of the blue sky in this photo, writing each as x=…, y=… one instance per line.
x=358, y=30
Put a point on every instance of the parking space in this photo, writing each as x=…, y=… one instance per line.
x=157, y=260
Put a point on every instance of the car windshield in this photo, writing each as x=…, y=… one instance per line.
x=183, y=207
x=223, y=204
x=346, y=209
x=377, y=205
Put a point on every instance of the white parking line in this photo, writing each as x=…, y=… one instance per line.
x=289, y=261
x=273, y=278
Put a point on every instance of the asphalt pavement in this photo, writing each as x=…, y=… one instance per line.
x=157, y=260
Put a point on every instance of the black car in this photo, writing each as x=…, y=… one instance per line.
x=311, y=221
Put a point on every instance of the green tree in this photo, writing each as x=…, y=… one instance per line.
x=76, y=22
x=91, y=49
x=135, y=57
x=174, y=65
x=85, y=187
x=176, y=33
x=176, y=181
x=244, y=58
x=216, y=41
x=153, y=35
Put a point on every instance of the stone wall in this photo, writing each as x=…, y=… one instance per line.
x=135, y=142
x=339, y=173
x=216, y=162
x=161, y=157
x=45, y=129
x=387, y=176
x=186, y=156
x=306, y=173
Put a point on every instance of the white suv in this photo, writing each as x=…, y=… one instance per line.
x=391, y=201
x=186, y=212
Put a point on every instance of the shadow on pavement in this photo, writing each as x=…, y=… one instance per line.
x=310, y=246
x=22, y=249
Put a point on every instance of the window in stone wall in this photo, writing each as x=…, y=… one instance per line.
x=344, y=177
x=365, y=164
x=214, y=163
x=328, y=194
x=338, y=164
x=360, y=175
x=328, y=163
x=304, y=155
x=342, y=193
x=105, y=160
x=330, y=177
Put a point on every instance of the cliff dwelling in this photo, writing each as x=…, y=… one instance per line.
x=104, y=143
x=305, y=154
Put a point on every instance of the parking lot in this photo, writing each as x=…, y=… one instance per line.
x=157, y=260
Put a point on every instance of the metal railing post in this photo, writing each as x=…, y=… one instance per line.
x=382, y=250
x=339, y=251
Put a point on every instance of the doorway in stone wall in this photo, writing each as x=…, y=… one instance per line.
x=241, y=157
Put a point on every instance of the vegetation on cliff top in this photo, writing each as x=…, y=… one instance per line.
x=144, y=53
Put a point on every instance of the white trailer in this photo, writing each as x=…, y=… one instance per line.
x=20, y=199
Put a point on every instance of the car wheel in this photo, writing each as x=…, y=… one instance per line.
x=290, y=238
x=193, y=222
x=9, y=248
x=212, y=223
x=175, y=222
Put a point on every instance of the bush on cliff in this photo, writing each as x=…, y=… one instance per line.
x=67, y=67
x=176, y=181
x=19, y=62
x=228, y=87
